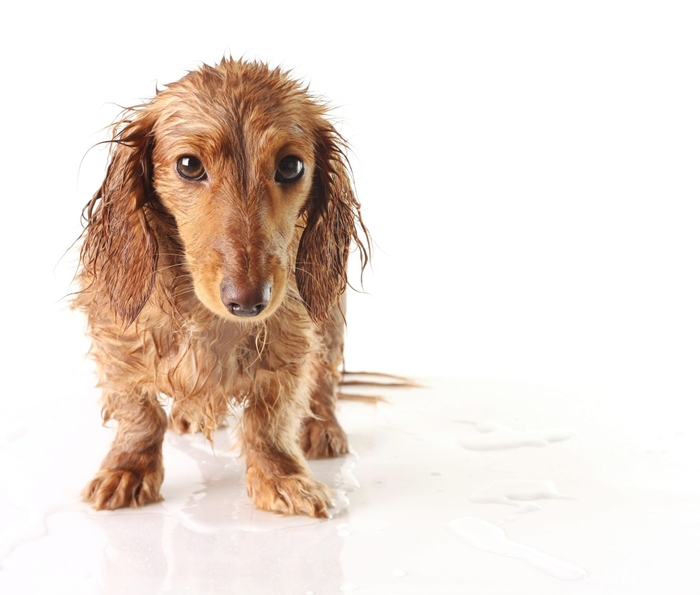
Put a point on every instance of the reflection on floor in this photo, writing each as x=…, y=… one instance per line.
x=480, y=486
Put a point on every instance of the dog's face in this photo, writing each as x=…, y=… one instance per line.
x=236, y=172
x=254, y=176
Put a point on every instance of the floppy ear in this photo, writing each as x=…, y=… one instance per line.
x=332, y=221
x=120, y=249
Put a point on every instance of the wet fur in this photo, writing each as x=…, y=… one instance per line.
x=156, y=250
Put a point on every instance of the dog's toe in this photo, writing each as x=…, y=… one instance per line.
x=119, y=488
x=298, y=494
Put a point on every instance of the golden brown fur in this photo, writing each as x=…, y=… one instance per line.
x=166, y=258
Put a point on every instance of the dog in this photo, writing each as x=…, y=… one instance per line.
x=213, y=273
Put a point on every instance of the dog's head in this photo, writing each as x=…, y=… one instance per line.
x=253, y=179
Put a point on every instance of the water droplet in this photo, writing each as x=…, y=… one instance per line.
x=493, y=435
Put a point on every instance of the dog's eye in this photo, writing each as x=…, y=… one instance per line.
x=289, y=169
x=191, y=168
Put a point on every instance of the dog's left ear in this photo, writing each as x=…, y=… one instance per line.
x=333, y=222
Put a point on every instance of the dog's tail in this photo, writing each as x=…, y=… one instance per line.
x=372, y=379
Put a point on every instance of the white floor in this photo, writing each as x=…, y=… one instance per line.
x=469, y=486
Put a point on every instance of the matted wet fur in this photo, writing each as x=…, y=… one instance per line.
x=212, y=272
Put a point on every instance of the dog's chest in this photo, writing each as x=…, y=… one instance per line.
x=205, y=360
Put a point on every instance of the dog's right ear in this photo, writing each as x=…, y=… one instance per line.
x=120, y=251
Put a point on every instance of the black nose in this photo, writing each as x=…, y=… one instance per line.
x=245, y=301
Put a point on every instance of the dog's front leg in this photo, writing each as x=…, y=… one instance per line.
x=132, y=472
x=277, y=477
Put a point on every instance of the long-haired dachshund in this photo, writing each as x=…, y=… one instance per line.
x=212, y=271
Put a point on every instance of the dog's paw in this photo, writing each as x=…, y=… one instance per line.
x=120, y=488
x=298, y=494
x=322, y=438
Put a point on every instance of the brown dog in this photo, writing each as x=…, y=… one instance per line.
x=212, y=271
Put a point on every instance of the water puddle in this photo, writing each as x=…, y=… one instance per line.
x=204, y=491
x=493, y=435
x=217, y=500
x=519, y=493
x=488, y=537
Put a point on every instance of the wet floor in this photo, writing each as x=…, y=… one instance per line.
x=468, y=485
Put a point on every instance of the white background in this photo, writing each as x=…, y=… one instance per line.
x=529, y=172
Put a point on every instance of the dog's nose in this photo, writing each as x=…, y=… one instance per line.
x=245, y=301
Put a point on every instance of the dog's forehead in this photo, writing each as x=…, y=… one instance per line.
x=249, y=140
x=268, y=108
